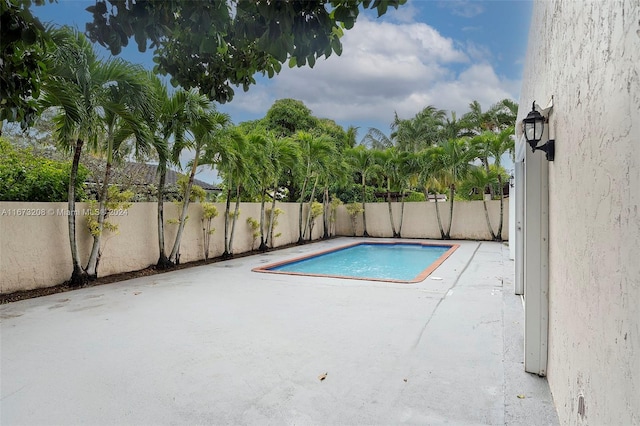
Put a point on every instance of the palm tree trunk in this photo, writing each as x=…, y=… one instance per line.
x=393, y=226
x=485, y=162
x=402, y=214
x=94, y=257
x=486, y=215
x=364, y=210
x=163, y=260
x=308, y=221
x=78, y=276
x=175, y=251
x=272, y=215
x=236, y=212
x=498, y=236
x=206, y=236
x=451, y=194
x=227, y=210
x=263, y=244
x=326, y=219
x=304, y=187
x=442, y=235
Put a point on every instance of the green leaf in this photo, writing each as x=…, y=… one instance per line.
x=337, y=46
x=382, y=8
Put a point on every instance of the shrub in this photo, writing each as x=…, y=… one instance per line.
x=27, y=177
x=316, y=210
x=415, y=197
x=272, y=226
x=254, y=225
x=116, y=200
x=209, y=211
x=354, y=209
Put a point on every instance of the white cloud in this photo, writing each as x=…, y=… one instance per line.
x=464, y=8
x=478, y=52
x=405, y=14
x=478, y=82
x=384, y=68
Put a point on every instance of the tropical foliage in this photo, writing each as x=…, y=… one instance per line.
x=116, y=111
x=214, y=44
x=27, y=177
x=23, y=46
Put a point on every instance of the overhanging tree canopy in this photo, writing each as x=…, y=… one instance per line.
x=22, y=48
x=208, y=44
x=214, y=44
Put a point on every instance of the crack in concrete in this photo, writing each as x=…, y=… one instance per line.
x=449, y=291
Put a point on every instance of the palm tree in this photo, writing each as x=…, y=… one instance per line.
x=232, y=159
x=336, y=172
x=408, y=134
x=480, y=144
x=504, y=114
x=420, y=131
x=80, y=87
x=362, y=162
x=408, y=172
x=481, y=180
x=264, y=172
x=388, y=162
x=285, y=154
x=73, y=86
x=498, y=117
x=430, y=170
x=350, y=137
x=326, y=169
x=476, y=121
x=454, y=158
x=127, y=117
x=452, y=128
x=208, y=129
x=376, y=139
x=315, y=152
x=499, y=145
x=169, y=121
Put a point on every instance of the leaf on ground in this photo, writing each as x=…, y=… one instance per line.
x=322, y=376
x=405, y=380
x=521, y=396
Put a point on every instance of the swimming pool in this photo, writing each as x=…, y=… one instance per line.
x=406, y=262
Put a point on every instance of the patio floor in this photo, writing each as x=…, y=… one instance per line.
x=219, y=344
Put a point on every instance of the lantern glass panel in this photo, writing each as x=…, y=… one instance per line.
x=530, y=131
x=533, y=129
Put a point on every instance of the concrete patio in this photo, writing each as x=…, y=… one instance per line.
x=219, y=344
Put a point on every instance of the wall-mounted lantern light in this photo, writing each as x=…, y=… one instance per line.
x=533, y=129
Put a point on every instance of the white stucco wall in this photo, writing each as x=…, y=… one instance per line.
x=34, y=249
x=586, y=54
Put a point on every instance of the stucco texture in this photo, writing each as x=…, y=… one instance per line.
x=587, y=55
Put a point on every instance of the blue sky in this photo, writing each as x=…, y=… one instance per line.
x=441, y=53
x=428, y=52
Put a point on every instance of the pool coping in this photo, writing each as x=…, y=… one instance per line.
x=419, y=278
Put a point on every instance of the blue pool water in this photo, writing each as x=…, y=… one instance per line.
x=401, y=262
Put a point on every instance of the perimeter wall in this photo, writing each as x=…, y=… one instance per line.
x=35, y=253
x=586, y=54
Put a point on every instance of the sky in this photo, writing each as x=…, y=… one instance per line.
x=444, y=53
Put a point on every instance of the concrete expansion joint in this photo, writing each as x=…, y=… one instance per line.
x=448, y=293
